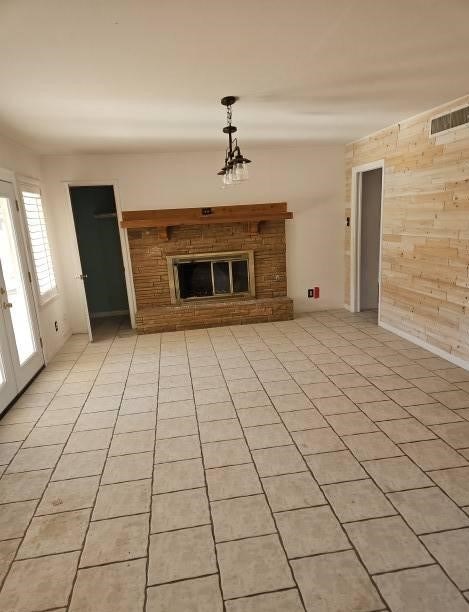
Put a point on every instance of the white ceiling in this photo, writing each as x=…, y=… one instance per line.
x=141, y=75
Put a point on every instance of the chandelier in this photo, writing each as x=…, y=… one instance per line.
x=235, y=169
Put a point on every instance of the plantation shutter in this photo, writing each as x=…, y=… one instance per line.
x=40, y=247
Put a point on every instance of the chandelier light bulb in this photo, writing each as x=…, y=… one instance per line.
x=234, y=176
x=237, y=172
x=243, y=171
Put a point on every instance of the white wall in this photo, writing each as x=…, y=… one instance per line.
x=309, y=178
x=24, y=162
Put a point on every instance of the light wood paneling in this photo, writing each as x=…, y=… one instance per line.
x=425, y=244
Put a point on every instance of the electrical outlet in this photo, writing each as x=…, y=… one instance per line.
x=310, y=293
x=56, y=325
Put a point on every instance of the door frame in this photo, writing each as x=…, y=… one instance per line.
x=356, y=223
x=129, y=283
x=27, y=269
x=15, y=179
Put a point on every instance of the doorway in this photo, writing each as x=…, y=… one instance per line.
x=21, y=355
x=99, y=246
x=366, y=236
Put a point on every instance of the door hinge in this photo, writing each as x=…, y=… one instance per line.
x=30, y=277
x=40, y=342
x=17, y=206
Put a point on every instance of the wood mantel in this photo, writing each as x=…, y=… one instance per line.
x=253, y=214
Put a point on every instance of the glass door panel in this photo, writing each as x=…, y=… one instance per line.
x=8, y=386
x=221, y=276
x=15, y=298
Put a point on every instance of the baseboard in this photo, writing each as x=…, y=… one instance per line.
x=462, y=363
x=111, y=313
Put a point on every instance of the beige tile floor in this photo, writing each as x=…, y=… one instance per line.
x=320, y=464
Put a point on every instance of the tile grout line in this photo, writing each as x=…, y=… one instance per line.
x=153, y=470
x=398, y=514
x=356, y=551
x=212, y=524
x=405, y=521
x=100, y=478
x=329, y=506
x=262, y=486
x=431, y=373
x=39, y=500
x=382, y=431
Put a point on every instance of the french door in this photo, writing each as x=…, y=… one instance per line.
x=20, y=349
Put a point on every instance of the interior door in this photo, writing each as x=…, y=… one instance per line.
x=370, y=238
x=97, y=232
x=80, y=275
x=20, y=349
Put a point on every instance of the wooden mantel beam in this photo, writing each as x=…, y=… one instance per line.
x=172, y=217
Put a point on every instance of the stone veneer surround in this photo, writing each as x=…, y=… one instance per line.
x=149, y=249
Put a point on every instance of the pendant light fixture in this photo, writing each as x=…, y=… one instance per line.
x=235, y=169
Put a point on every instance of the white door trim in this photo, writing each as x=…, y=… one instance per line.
x=356, y=213
x=129, y=283
x=22, y=180
x=77, y=271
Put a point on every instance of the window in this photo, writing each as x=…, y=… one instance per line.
x=39, y=242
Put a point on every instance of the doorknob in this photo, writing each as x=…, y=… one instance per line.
x=7, y=305
x=83, y=276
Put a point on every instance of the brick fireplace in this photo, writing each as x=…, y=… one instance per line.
x=209, y=267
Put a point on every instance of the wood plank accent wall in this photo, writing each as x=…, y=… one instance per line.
x=425, y=247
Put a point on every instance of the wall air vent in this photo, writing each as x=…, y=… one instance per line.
x=451, y=120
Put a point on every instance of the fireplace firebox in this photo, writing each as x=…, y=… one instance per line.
x=211, y=275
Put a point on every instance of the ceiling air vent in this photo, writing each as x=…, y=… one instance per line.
x=451, y=120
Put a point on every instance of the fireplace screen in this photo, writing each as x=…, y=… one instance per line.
x=211, y=276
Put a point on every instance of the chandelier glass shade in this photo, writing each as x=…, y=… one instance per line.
x=235, y=169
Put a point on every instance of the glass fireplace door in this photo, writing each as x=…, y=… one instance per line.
x=212, y=278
